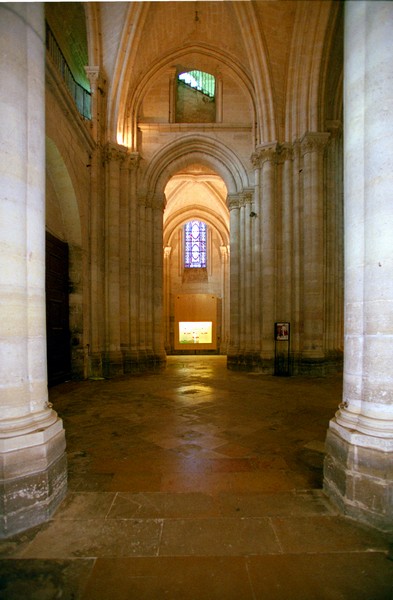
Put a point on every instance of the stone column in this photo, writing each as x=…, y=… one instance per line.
x=358, y=466
x=167, y=297
x=224, y=252
x=128, y=261
x=334, y=243
x=32, y=441
x=157, y=284
x=312, y=148
x=234, y=333
x=113, y=359
x=265, y=157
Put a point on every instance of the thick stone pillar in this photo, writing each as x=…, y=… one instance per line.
x=32, y=441
x=358, y=467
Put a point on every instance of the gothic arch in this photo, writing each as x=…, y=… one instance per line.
x=303, y=110
x=194, y=149
x=64, y=189
x=127, y=121
x=92, y=31
x=262, y=80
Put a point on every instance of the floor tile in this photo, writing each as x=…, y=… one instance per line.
x=300, y=504
x=85, y=505
x=217, y=537
x=326, y=534
x=182, y=578
x=338, y=576
x=96, y=538
x=162, y=505
x=43, y=579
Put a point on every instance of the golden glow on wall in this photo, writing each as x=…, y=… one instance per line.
x=195, y=332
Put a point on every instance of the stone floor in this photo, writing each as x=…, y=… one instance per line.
x=197, y=483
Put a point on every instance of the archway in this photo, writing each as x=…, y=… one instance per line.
x=196, y=300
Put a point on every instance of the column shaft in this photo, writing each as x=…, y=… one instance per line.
x=32, y=443
x=358, y=474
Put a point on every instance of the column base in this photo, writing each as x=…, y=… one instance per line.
x=33, y=478
x=358, y=476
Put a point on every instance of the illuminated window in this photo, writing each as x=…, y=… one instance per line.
x=195, y=332
x=198, y=80
x=195, y=235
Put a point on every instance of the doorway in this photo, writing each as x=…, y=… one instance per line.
x=57, y=311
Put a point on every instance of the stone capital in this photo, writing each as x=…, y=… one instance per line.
x=285, y=152
x=96, y=79
x=313, y=141
x=233, y=201
x=113, y=152
x=131, y=161
x=264, y=153
x=246, y=197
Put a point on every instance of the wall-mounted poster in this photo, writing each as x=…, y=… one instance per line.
x=281, y=331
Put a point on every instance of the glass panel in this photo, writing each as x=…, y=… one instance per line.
x=195, y=235
x=204, y=82
x=195, y=332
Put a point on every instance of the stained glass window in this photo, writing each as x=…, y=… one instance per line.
x=195, y=235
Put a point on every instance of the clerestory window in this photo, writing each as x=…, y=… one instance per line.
x=195, y=245
x=195, y=97
x=199, y=80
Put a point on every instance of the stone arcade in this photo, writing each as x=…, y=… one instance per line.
x=289, y=163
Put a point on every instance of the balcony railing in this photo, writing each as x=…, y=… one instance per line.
x=81, y=96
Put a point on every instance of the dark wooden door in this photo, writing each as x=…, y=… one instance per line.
x=57, y=311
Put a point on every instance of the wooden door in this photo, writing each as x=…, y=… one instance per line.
x=57, y=311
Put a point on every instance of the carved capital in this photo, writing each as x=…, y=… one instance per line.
x=246, y=197
x=264, y=153
x=131, y=161
x=96, y=79
x=167, y=252
x=233, y=201
x=113, y=152
x=313, y=142
x=285, y=152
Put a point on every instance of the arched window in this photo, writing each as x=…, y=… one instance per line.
x=195, y=237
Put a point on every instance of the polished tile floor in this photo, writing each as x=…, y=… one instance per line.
x=197, y=483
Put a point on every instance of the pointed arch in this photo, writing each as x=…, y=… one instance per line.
x=258, y=58
x=118, y=91
x=93, y=35
x=303, y=109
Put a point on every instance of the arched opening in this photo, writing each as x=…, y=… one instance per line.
x=196, y=300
